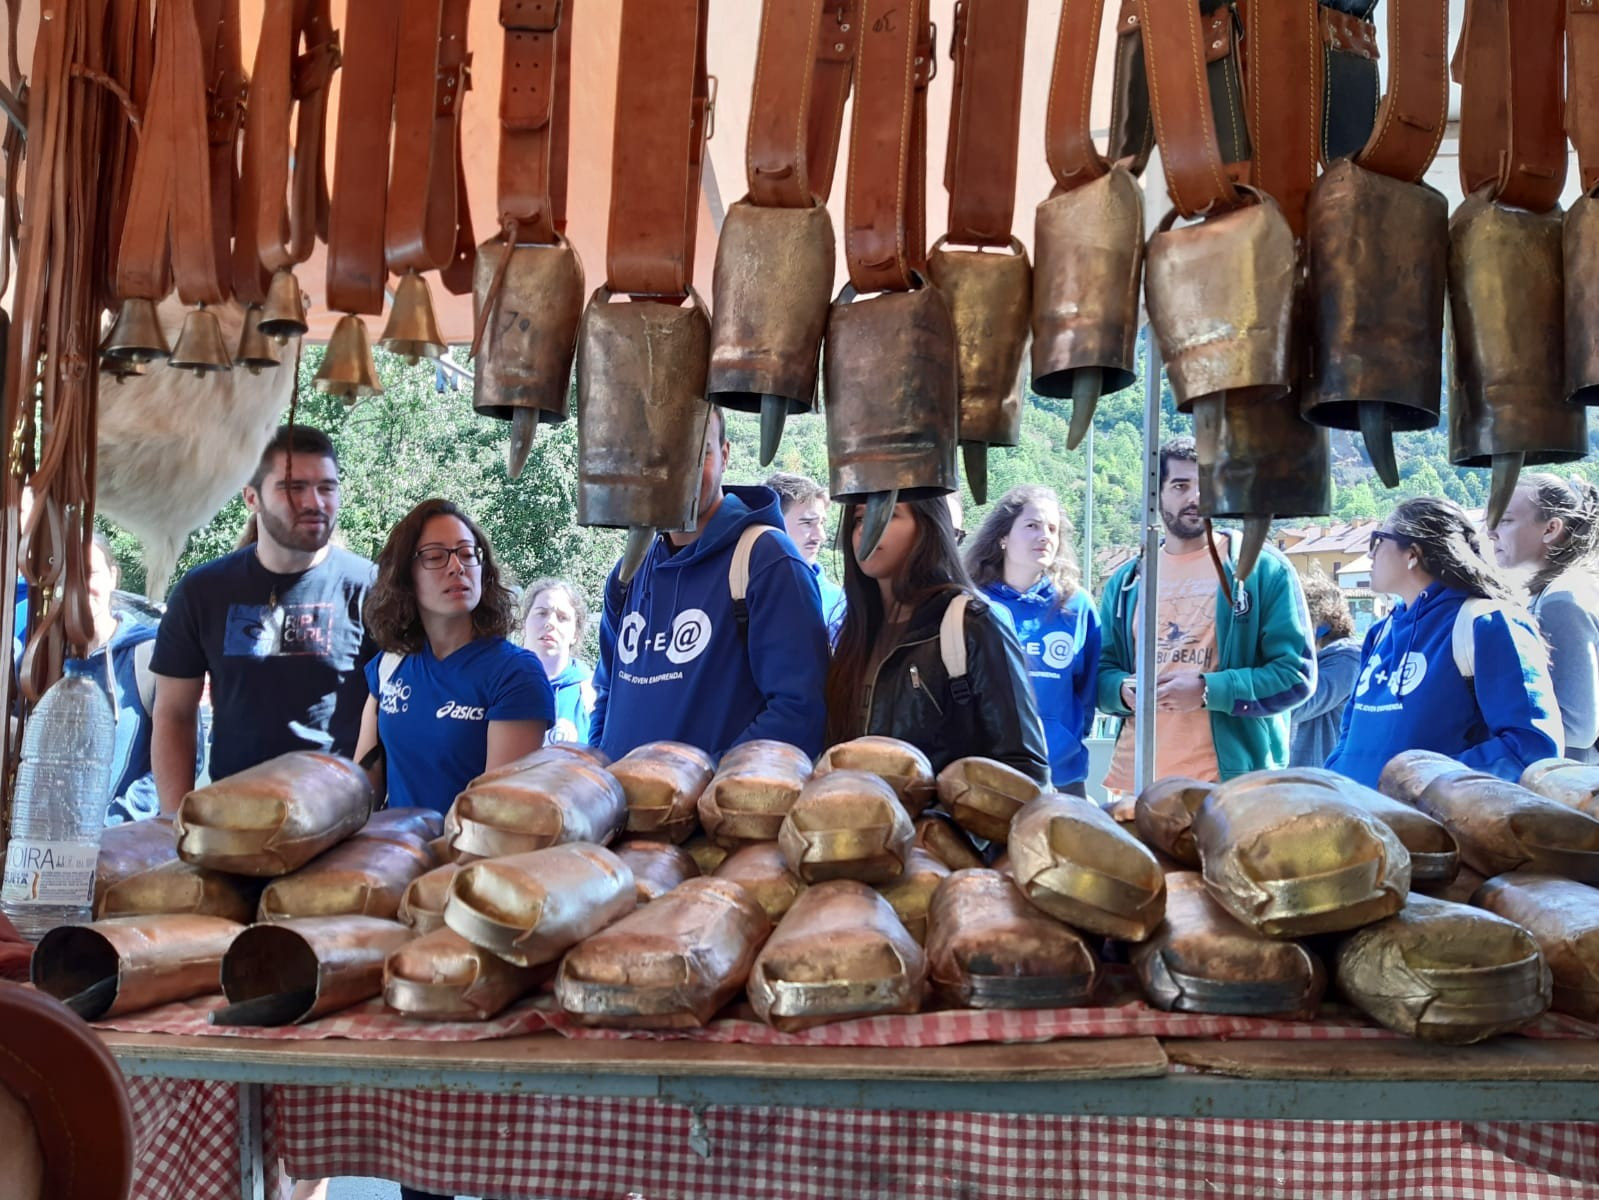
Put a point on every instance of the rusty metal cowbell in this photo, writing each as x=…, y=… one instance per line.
x=200, y=348
x=257, y=351
x=1090, y=247
x=1379, y=251
x=136, y=336
x=283, y=314
x=770, y=295
x=1221, y=297
x=347, y=370
x=413, y=331
x=641, y=412
x=1261, y=458
x=1581, y=243
x=990, y=303
x=892, y=396
x=1507, y=328
x=530, y=339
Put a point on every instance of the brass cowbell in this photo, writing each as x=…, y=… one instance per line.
x=256, y=351
x=136, y=337
x=200, y=347
x=412, y=331
x=283, y=315
x=348, y=371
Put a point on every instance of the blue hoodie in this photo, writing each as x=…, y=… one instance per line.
x=574, y=700
x=1411, y=694
x=832, y=600
x=673, y=663
x=1062, y=647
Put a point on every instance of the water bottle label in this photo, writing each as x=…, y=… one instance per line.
x=49, y=872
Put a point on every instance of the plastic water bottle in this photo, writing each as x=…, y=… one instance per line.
x=63, y=786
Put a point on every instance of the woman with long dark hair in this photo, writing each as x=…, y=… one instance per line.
x=451, y=696
x=1022, y=559
x=896, y=668
x=1551, y=529
x=1457, y=667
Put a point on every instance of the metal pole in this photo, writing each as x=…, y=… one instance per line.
x=1149, y=574
x=1088, y=513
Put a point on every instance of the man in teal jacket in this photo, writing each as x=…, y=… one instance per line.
x=1245, y=668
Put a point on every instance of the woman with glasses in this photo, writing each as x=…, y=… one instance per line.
x=897, y=666
x=1551, y=529
x=1457, y=667
x=1022, y=560
x=450, y=696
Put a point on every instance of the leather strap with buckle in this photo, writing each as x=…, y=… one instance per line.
x=663, y=107
x=1284, y=101
x=803, y=68
x=987, y=46
x=1415, y=106
x=535, y=116
x=226, y=87
x=129, y=56
x=885, y=207
x=1068, y=137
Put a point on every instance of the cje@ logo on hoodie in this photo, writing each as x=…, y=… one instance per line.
x=683, y=643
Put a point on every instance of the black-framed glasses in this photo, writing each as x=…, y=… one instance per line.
x=1383, y=535
x=433, y=558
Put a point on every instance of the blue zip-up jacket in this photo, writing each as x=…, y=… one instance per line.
x=1411, y=694
x=673, y=662
x=1061, y=642
x=832, y=600
x=574, y=699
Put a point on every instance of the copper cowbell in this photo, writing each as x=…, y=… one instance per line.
x=892, y=396
x=1507, y=330
x=1221, y=297
x=1581, y=243
x=990, y=302
x=1379, y=251
x=1090, y=246
x=522, y=371
x=641, y=412
x=769, y=298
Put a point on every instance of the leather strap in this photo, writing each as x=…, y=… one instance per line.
x=356, y=272
x=1068, y=136
x=129, y=56
x=1285, y=88
x=1582, y=86
x=662, y=108
x=987, y=46
x=1179, y=97
x=535, y=102
x=168, y=232
x=885, y=206
x=1512, y=135
x=226, y=88
x=802, y=77
x=1410, y=120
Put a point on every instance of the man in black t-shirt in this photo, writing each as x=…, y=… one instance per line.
x=277, y=625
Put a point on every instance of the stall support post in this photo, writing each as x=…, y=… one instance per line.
x=1148, y=572
x=252, y=1165
x=1088, y=512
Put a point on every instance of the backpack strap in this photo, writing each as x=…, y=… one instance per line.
x=143, y=677
x=1463, y=640
x=738, y=575
x=952, y=647
x=387, y=665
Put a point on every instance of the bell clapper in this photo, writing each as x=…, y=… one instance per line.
x=1087, y=384
x=1506, y=471
x=774, y=412
x=524, y=429
x=1252, y=542
x=874, y=521
x=639, y=538
x=1377, y=430
x=975, y=456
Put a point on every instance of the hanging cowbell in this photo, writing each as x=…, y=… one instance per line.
x=1581, y=245
x=136, y=337
x=257, y=351
x=200, y=347
x=528, y=301
x=283, y=314
x=412, y=331
x=347, y=370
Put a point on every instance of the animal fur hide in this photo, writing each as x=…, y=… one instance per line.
x=173, y=446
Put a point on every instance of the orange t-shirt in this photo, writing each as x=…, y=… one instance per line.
x=1183, y=741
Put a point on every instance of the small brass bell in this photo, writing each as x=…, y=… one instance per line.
x=256, y=350
x=412, y=331
x=283, y=315
x=200, y=347
x=135, y=336
x=348, y=370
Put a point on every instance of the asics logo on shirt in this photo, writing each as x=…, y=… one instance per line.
x=460, y=712
x=690, y=633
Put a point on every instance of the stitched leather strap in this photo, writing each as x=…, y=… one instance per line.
x=1179, y=98
x=885, y=207
x=1582, y=86
x=1068, y=138
x=1410, y=120
x=225, y=93
x=535, y=103
x=169, y=203
x=662, y=102
x=802, y=77
x=129, y=56
x=1512, y=136
x=1285, y=90
x=356, y=272
x=985, y=119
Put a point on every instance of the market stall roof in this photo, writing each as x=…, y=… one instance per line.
x=734, y=29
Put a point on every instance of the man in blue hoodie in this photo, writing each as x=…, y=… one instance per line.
x=678, y=662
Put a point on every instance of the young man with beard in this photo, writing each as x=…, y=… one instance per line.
x=1229, y=672
x=804, y=503
x=276, y=625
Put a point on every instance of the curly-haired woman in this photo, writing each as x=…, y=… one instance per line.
x=451, y=696
x=1314, y=731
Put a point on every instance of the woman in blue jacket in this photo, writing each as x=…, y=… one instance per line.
x=554, y=619
x=1457, y=667
x=1023, y=561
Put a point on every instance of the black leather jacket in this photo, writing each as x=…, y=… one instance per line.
x=911, y=697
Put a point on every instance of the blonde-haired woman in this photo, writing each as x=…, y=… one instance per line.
x=1022, y=560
